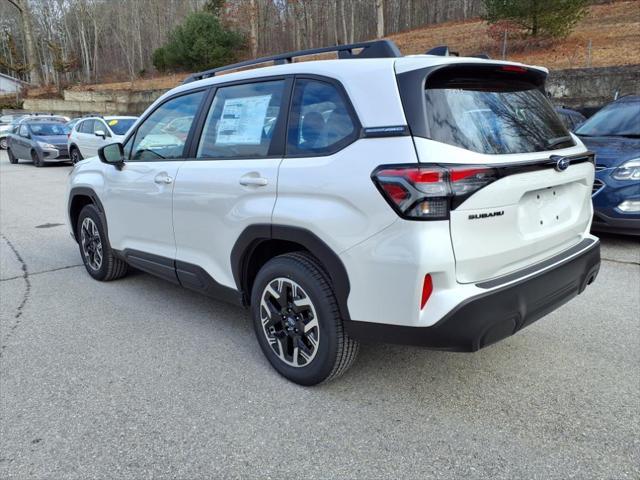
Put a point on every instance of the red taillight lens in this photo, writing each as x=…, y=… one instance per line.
x=396, y=192
x=458, y=174
x=428, y=192
x=427, y=289
x=467, y=180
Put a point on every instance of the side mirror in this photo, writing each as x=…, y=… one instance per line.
x=112, y=154
x=100, y=133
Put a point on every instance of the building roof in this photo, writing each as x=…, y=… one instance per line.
x=13, y=79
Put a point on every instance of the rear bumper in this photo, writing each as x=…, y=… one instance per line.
x=497, y=314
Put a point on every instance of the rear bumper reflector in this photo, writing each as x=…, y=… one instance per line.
x=427, y=289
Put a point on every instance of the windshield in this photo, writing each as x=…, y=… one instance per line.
x=493, y=116
x=617, y=119
x=120, y=126
x=44, y=129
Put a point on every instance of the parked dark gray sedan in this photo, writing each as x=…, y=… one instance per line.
x=41, y=141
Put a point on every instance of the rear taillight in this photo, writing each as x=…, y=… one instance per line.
x=430, y=192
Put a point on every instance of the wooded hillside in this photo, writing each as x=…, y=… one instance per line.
x=99, y=40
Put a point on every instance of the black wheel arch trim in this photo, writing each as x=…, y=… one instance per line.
x=86, y=192
x=254, y=235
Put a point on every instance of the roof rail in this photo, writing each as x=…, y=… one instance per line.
x=373, y=49
x=442, y=51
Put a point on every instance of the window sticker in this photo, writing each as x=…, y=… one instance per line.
x=243, y=120
x=113, y=122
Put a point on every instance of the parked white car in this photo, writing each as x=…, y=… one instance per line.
x=430, y=199
x=91, y=133
x=5, y=130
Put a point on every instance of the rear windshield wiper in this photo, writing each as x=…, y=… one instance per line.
x=557, y=141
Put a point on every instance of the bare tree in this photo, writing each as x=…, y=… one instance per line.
x=380, y=18
x=113, y=40
x=32, y=56
x=253, y=28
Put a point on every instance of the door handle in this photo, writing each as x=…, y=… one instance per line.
x=249, y=180
x=163, y=178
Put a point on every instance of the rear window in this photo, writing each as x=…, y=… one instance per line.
x=493, y=112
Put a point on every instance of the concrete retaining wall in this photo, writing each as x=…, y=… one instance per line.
x=576, y=88
x=103, y=102
x=592, y=87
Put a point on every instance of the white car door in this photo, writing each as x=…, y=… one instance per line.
x=138, y=196
x=99, y=138
x=230, y=182
x=83, y=135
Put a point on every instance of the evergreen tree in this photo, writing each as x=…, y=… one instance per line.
x=200, y=43
x=553, y=18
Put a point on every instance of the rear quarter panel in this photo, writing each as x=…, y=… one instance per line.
x=334, y=196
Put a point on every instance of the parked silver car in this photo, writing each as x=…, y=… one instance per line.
x=40, y=140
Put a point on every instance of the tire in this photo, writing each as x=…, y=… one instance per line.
x=36, y=159
x=12, y=159
x=93, y=239
x=325, y=351
x=3, y=143
x=75, y=155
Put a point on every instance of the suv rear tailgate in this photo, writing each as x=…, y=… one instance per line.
x=519, y=220
x=490, y=124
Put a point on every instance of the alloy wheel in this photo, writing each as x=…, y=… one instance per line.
x=289, y=322
x=91, y=243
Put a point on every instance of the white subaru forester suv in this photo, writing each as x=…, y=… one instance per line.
x=430, y=200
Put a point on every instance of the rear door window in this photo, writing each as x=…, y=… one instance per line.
x=320, y=121
x=242, y=121
x=86, y=126
x=493, y=113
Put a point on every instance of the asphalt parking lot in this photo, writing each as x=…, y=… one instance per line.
x=141, y=379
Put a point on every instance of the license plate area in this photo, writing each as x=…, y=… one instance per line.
x=547, y=208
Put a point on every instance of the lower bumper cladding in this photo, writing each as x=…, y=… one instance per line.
x=500, y=313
